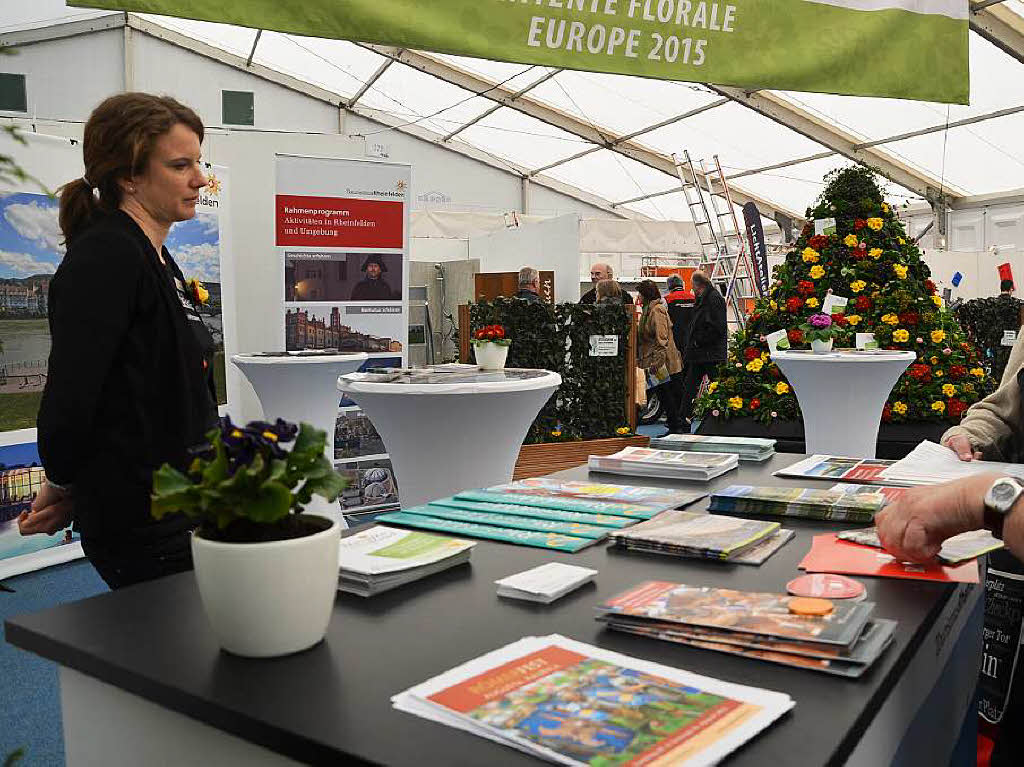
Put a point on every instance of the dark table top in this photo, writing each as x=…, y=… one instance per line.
x=333, y=701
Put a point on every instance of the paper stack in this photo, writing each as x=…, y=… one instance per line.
x=382, y=558
x=545, y=583
x=931, y=464
x=688, y=534
x=572, y=703
x=797, y=502
x=831, y=636
x=959, y=548
x=747, y=448
x=666, y=464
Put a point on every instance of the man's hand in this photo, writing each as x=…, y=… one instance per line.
x=51, y=512
x=961, y=445
x=914, y=527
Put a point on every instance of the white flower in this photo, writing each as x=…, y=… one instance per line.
x=774, y=414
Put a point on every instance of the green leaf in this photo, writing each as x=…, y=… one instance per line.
x=271, y=503
x=167, y=480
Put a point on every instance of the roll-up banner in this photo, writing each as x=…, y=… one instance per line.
x=758, y=250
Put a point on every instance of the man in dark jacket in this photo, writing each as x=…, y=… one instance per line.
x=373, y=287
x=705, y=342
x=600, y=272
x=681, y=303
x=529, y=285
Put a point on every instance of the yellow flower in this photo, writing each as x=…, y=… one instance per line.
x=934, y=360
x=902, y=241
x=712, y=386
x=853, y=319
x=899, y=408
x=948, y=389
x=817, y=271
x=939, y=406
x=773, y=305
x=755, y=365
x=622, y=430
x=937, y=300
x=939, y=374
x=556, y=433
x=811, y=302
x=782, y=387
x=890, y=319
x=764, y=356
x=969, y=388
x=978, y=372
x=875, y=223
x=858, y=285
x=900, y=336
x=938, y=336
x=885, y=209
x=901, y=271
x=810, y=256
x=735, y=402
x=875, y=252
x=199, y=293
x=850, y=240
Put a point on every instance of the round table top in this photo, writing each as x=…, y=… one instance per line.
x=463, y=379
x=844, y=355
x=296, y=358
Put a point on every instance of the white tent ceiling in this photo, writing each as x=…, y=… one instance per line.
x=980, y=157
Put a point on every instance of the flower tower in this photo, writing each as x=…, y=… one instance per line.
x=867, y=258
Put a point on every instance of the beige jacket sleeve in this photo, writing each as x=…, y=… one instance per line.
x=993, y=424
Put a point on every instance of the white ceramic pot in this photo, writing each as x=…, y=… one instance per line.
x=268, y=599
x=491, y=356
x=820, y=347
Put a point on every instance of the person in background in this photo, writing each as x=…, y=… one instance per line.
x=1006, y=288
x=658, y=354
x=609, y=293
x=705, y=346
x=681, y=303
x=600, y=272
x=529, y=285
x=130, y=383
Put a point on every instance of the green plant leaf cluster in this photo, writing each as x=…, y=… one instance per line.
x=591, y=402
x=984, y=320
x=247, y=476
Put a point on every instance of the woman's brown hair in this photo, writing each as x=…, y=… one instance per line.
x=649, y=291
x=119, y=138
x=608, y=289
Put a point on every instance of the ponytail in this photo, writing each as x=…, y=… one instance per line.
x=78, y=208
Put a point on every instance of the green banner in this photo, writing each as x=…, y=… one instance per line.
x=914, y=49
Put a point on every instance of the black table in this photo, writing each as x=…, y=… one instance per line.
x=133, y=658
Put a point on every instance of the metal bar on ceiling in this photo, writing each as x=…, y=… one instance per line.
x=370, y=81
x=255, y=42
x=496, y=107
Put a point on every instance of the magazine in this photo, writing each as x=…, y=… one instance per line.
x=655, y=498
x=555, y=541
x=797, y=502
x=508, y=520
x=863, y=470
x=764, y=614
x=891, y=493
x=760, y=552
x=829, y=554
x=636, y=511
x=572, y=703
x=668, y=464
x=383, y=558
x=747, y=448
x=519, y=510
x=959, y=548
x=690, y=534
x=931, y=464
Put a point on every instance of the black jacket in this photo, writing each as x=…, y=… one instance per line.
x=707, y=337
x=129, y=384
x=681, y=313
x=372, y=290
x=591, y=297
x=529, y=296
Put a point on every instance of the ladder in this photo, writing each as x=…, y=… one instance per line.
x=723, y=244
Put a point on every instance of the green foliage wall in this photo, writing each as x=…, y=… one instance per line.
x=590, y=403
x=984, y=320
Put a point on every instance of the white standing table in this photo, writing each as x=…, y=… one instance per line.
x=302, y=389
x=447, y=437
x=841, y=396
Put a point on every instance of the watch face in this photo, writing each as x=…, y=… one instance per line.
x=1003, y=491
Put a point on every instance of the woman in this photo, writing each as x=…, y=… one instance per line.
x=130, y=381
x=608, y=293
x=658, y=353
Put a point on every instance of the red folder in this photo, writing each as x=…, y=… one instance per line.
x=828, y=554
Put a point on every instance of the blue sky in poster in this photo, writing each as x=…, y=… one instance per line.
x=22, y=454
x=195, y=246
x=29, y=235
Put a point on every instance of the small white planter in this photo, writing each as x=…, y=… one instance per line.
x=268, y=599
x=821, y=347
x=491, y=356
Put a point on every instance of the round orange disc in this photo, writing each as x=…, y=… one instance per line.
x=810, y=606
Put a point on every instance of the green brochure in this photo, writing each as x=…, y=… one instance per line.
x=505, y=534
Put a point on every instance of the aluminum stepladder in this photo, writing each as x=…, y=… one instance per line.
x=724, y=250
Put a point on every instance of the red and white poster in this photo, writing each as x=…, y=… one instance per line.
x=342, y=238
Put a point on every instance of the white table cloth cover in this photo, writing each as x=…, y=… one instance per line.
x=447, y=437
x=841, y=396
x=302, y=389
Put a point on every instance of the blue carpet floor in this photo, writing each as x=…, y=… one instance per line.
x=29, y=695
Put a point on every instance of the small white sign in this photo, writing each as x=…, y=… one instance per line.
x=866, y=341
x=777, y=341
x=378, y=149
x=1009, y=337
x=604, y=346
x=834, y=304
x=824, y=226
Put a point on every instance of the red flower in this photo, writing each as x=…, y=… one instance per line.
x=805, y=287
x=965, y=346
x=481, y=333
x=909, y=318
x=863, y=303
x=751, y=353
x=774, y=372
x=929, y=286
x=920, y=372
x=489, y=333
x=839, y=319
x=859, y=224
x=499, y=331
x=796, y=336
x=818, y=242
x=955, y=408
x=887, y=412
x=859, y=254
x=793, y=303
x=956, y=372
x=755, y=403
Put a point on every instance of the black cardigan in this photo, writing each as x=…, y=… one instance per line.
x=128, y=386
x=708, y=331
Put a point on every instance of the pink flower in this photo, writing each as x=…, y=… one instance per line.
x=947, y=350
x=919, y=340
x=820, y=320
x=714, y=412
x=774, y=414
x=763, y=339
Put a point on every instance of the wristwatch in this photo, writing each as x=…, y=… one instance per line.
x=999, y=501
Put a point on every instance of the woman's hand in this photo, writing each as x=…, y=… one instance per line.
x=961, y=445
x=51, y=512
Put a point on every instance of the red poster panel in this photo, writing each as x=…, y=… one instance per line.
x=337, y=222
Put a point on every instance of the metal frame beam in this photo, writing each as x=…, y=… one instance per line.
x=369, y=82
x=559, y=119
x=1000, y=26
x=496, y=107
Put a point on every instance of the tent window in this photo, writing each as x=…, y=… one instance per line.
x=238, y=108
x=13, y=97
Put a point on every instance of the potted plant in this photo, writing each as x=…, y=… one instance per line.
x=490, y=344
x=267, y=573
x=820, y=331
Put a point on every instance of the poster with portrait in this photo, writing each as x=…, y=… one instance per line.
x=341, y=233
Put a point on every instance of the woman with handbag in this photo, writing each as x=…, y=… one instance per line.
x=658, y=354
